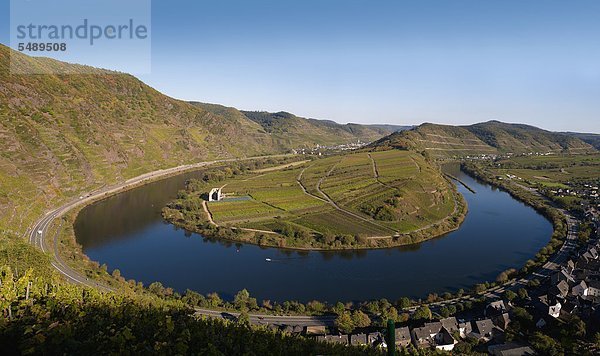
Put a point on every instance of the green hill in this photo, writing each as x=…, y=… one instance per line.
x=290, y=131
x=492, y=137
x=590, y=138
x=61, y=135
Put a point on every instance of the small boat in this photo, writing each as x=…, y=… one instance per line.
x=268, y=259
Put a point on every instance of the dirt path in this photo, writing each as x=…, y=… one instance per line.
x=208, y=213
x=374, y=164
x=334, y=204
x=283, y=166
x=299, y=181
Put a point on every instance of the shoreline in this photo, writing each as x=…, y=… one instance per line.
x=459, y=202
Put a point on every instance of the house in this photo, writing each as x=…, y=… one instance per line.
x=444, y=340
x=450, y=324
x=291, y=329
x=594, y=288
x=501, y=320
x=464, y=329
x=548, y=305
x=562, y=275
x=483, y=329
x=510, y=349
x=359, y=339
x=403, y=337
x=580, y=290
x=377, y=339
x=561, y=289
x=569, y=307
x=424, y=336
x=570, y=266
x=593, y=252
x=495, y=308
x=316, y=330
x=335, y=339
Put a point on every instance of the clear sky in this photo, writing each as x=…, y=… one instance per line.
x=397, y=62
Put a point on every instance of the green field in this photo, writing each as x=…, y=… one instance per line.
x=553, y=171
x=374, y=194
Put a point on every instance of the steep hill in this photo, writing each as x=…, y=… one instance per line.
x=64, y=134
x=590, y=138
x=290, y=131
x=490, y=137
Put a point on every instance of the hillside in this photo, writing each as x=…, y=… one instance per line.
x=590, y=138
x=61, y=135
x=290, y=131
x=490, y=137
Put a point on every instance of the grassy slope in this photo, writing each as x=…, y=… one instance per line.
x=307, y=132
x=592, y=139
x=489, y=137
x=61, y=135
x=290, y=131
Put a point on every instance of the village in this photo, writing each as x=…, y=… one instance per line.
x=569, y=295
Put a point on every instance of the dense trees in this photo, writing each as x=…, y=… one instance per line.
x=44, y=315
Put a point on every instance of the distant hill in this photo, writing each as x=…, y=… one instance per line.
x=489, y=137
x=391, y=128
x=290, y=131
x=590, y=138
x=64, y=134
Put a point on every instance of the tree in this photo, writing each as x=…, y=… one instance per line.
x=444, y=312
x=241, y=299
x=545, y=344
x=214, y=300
x=422, y=313
x=315, y=306
x=577, y=327
x=510, y=295
x=360, y=319
x=339, y=308
x=389, y=313
x=597, y=339
x=156, y=288
x=345, y=323
x=243, y=318
x=523, y=293
x=403, y=303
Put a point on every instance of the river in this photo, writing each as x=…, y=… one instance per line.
x=126, y=232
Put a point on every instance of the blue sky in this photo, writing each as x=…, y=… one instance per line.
x=398, y=62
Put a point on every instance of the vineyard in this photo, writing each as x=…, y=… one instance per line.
x=352, y=199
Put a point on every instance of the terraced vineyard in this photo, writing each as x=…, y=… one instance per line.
x=376, y=195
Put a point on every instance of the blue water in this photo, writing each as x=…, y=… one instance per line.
x=127, y=232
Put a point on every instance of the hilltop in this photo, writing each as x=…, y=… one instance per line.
x=492, y=137
x=288, y=130
x=65, y=134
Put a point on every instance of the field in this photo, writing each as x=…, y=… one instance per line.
x=377, y=194
x=554, y=171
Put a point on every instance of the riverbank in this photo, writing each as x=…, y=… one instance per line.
x=537, y=202
x=205, y=226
